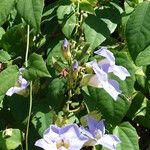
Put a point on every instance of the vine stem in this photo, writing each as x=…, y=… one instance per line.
x=30, y=104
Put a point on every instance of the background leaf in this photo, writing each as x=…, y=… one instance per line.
x=5, y=7
x=31, y=11
x=67, y=19
x=11, y=142
x=4, y=56
x=8, y=77
x=128, y=136
x=138, y=29
x=14, y=40
x=98, y=28
x=36, y=68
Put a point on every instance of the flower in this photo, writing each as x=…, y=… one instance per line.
x=96, y=134
x=65, y=138
x=20, y=85
x=100, y=80
x=102, y=68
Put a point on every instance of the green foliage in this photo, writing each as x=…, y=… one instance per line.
x=31, y=11
x=10, y=139
x=14, y=40
x=4, y=56
x=5, y=8
x=138, y=28
x=48, y=70
x=36, y=68
x=67, y=19
x=8, y=77
x=127, y=133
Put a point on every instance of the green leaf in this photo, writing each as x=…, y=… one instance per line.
x=20, y=115
x=139, y=110
x=138, y=29
x=8, y=77
x=42, y=118
x=86, y=6
x=14, y=40
x=143, y=58
x=56, y=92
x=10, y=139
x=31, y=11
x=128, y=137
x=98, y=28
x=5, y=8
x=112, y=111
x=67, y=18
x=2, y=31
x=36, y=68
x=55, y=52
x=4, y=56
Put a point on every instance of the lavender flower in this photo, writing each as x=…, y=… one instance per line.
x=96, y=134
x=20, y=85
x=102, y=68
x=65, y=138
x=100, y=80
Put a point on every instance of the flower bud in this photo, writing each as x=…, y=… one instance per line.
x=66, y=51
x=75, y=69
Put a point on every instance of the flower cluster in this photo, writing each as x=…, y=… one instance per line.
x=72, y=137
x=21, y=85
x=102, y=69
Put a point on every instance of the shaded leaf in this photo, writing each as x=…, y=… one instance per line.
x=14, y=40
x=4, y=56
x=128, y=136
x=5, y=8
x=36, y=68
x=67, y=18
x=138, y=29
x=10, y=139
x=8, y=77
x=31, y=11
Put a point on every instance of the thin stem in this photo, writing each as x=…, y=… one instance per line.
x=29, y=116
x=27, y=46
x=30, y=104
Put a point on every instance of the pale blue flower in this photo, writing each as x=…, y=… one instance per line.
x=68, y=137
x=96, y=134
x=102, y=69
x=108, y=64
x=20, y=85
x=100, y=80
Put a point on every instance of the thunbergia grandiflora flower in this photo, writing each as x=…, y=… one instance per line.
x=102, y=68
x=68, y=137
x=21, y=84
x=96, y=135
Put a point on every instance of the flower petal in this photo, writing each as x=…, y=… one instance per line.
x=46, y=146
x=73, y=135
x=13, y=90
x=110, y=89
x=94, y=82
x=109, y=141
x=119, y=71
x=107, y=54
x=52, y=133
